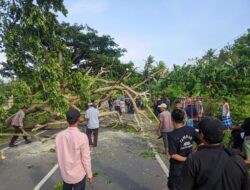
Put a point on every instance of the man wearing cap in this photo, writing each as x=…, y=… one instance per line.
x=73, y=154
x=213, y=166
x=92, y=115
x=165, y=125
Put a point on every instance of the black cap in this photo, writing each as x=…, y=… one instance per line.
x=72, y=115
x=212, y=129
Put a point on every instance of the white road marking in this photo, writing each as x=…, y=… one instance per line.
x=6, y=148
x=41, y=183
x=158, y=158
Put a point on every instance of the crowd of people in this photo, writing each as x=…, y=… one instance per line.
x=194, y=110
x=123, y=105
x=209, y=165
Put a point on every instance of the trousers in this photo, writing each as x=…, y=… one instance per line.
x=78, y=186
x=89, y=133
x=17, y=130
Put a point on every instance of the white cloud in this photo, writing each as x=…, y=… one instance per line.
x=89, y=7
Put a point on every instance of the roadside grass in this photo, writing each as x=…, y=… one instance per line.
x=53, y=163
x=148, y=154
x=109, y=181
x=96, y=174
x=58, y=185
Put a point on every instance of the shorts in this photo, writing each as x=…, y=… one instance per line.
x=246, y=147
x=165, y=139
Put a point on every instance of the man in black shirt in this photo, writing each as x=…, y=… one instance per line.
x=241, y=139
x=180, y=146
x=246, y=143
x=214, y=167
x=246, y=127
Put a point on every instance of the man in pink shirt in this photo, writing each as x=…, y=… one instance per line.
x=73, y=154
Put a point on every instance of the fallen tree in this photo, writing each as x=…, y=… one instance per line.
x=103, y=88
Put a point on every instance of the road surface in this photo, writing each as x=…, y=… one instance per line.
x=117, y=163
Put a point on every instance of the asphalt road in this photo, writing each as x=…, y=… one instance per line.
x=117, y=163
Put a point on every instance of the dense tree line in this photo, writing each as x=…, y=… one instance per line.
x=215, y=75
x=47, y=59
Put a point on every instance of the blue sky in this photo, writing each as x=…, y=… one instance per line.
x=170, y=30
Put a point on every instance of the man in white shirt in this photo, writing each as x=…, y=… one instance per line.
x=92, y=115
